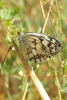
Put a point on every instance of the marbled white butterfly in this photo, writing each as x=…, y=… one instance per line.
x=39, y=47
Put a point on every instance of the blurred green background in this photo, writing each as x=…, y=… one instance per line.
x=26, y=16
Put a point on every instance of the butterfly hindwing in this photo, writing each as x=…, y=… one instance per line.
x=39, y=47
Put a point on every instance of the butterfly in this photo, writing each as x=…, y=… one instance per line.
x=39, y=47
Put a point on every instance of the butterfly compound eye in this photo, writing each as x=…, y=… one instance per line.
x=18, y=32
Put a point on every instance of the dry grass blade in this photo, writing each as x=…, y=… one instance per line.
x=57, y=81
x=31, y=74
x=43, y=29
x=24, y=94
x=6, y=54
x=47, y=16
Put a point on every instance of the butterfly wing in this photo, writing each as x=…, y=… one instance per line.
x=39, y=47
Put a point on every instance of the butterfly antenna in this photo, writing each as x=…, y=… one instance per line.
x=6, y=54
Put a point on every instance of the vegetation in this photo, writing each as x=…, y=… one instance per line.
x=42, y=16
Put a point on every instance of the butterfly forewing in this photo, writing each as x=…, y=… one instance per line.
x=39, y=47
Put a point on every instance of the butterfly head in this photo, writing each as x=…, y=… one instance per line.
x=20, y=35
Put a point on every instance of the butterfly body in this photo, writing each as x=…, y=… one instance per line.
x=39, y=47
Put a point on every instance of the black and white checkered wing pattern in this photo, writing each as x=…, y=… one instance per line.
x=39, y=47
